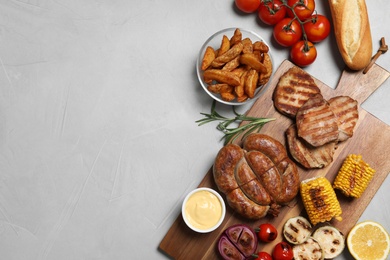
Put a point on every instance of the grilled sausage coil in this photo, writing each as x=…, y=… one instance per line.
x=257, y=178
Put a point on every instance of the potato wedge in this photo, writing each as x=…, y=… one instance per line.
x=242, y=98
x=222, y=76
x=247, y=45
x=208, y=57
x=215, y=88
x=239, y=90
x=264, y=77
x=236, y=38
x=225, y=45
x=240, y=70
x=226, y=96
x=251, y=60
x=231, y=65
x=228, y=56
x=251, y=83
x=260, y=46
x=225, y=88
x=259, y=56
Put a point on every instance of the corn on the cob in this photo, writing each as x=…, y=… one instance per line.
x=353, y=176
x=319, y=199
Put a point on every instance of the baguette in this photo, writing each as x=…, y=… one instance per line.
x=352, y=32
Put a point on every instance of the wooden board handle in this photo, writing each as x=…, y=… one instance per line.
x=360, y=86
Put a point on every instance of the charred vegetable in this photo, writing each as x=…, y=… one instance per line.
x=297, y=230
x=310, y=249
x=354, y=176
x=332, y=241
x=237, y=242
x=320, y=200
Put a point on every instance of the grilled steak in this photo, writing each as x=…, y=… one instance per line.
x=294, y=88
x=308, y=156
x=316, y=122
x=346, y=111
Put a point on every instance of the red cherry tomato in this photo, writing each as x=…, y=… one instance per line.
x=266, y=232
x=262, y=256
x=303, y=54
x=317, y=28
x=287, y=32
x=271, y=12
x=302, y=8
x=247, y=6
x=282, y=251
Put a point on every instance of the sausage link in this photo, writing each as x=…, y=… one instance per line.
x=267, y=145
x=246, y=207
x=290, y=181
x=266, y=172
x=224, y=167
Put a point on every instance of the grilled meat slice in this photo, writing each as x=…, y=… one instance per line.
x=294, y=88
x=308, y=156
x=346, y=111
x=316, y=122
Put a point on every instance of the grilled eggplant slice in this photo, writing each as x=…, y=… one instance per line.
x=310, y=249
x=332, y=241
x=297, y=230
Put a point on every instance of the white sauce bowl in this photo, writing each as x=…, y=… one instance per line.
x=197, y=213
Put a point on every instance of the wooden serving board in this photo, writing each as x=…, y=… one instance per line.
x=371, y=139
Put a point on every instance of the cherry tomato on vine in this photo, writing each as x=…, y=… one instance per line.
x=266, y=232
x=287, y=32
x=271, y=12
x=282, y=251
x=302, y=9
x=247, y=6
x=262, y=256
x=317, y=28
x=303, y=55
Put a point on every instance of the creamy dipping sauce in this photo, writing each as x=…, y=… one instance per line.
x=203, y=210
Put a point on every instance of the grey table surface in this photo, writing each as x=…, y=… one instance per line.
x=98, y=103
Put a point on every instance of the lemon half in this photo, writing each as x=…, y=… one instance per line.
x=368, y=240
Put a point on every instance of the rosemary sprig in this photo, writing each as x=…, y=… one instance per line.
x=231, y=133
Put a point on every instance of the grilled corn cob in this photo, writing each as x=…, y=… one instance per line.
x=353, y=176
x=320, y=200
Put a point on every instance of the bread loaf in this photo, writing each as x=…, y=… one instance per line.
x=352, y=31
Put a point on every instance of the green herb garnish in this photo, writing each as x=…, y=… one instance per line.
x=231, y=133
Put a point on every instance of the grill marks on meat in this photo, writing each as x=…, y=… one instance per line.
x=294, y=88
x=319, y=123
x=258, y=178
x=316, y=122
x=308, y=156
x=346, y=111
